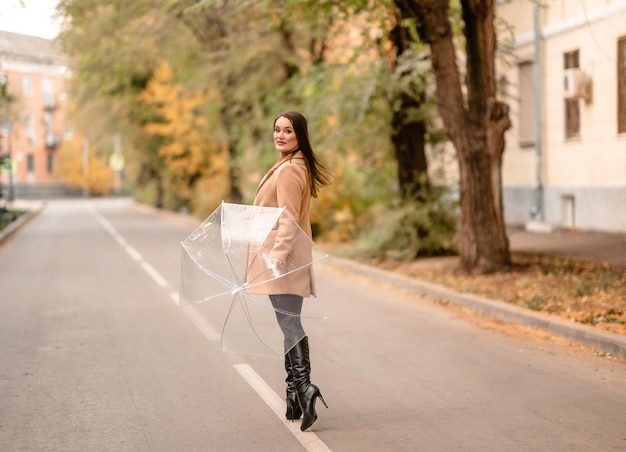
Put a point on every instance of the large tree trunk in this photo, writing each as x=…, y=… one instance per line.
x=409, y=142
x=476, y=130
x=235, y=195
x=408, y=135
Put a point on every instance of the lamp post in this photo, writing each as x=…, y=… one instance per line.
x=5, y=130
x=116, y=161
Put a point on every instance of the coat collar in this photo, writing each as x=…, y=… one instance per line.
x=285, y=158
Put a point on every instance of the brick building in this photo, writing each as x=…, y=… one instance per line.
x=33, y=124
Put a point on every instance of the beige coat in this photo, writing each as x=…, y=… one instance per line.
x=287, y=185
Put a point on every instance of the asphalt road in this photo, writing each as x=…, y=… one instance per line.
x=95, y=355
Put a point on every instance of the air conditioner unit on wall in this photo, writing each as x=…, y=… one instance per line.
x=576, y=85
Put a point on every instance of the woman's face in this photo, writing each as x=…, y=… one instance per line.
x=285, y=139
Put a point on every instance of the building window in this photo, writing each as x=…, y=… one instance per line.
x=572, y=106
x=621, y=85
x=526, y=72
x=30, y=163
x=27, y=88
x=69, y=132
x=30, y=130
x=48, y=93
x=50, y=163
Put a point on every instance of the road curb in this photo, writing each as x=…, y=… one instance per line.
x=604, y=342
x=11, y=229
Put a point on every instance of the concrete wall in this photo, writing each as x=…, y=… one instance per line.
x=591, y=208
x=44, y=191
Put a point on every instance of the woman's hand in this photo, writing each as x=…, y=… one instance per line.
x=274, y=265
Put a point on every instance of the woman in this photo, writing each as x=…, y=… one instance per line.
x=290, y=183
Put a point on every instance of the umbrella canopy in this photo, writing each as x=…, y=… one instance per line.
x=231, y=263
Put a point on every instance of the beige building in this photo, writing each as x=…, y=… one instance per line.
x=33, y=125
x=565, y=159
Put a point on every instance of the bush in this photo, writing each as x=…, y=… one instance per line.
x=8, y=216
x=412, y=229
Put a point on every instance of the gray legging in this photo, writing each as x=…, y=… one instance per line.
x=288, y=309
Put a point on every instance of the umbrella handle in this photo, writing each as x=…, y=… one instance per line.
x=272, y=265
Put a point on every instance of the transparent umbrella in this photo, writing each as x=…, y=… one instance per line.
x=229, y=266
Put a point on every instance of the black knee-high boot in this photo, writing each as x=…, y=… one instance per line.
x=307, y=392
x=293, y=406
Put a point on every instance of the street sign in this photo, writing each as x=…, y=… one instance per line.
x=116, y=161
x=9, y=166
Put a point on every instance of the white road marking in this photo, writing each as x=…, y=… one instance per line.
x=309, y=440
x=200, y=322
x=132, y=252
x=155, y=275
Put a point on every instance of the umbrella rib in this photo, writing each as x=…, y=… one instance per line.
x=233, y=271
x=236, y=298
x=217, y=276
x=258, y=283
x=230, y=250
x=230, y=310
x=249, y=319
x=265, y=305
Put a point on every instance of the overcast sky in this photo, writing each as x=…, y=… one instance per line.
x=35, y=19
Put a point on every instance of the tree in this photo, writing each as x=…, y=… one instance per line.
x=408, y=124
x=115, y=48
x=475, y=124
x=96, y=177
x=330, y=59
x=186, y=148
x=255, y=51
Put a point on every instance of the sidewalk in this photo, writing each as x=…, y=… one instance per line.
x=581, y=245
x=32, y=208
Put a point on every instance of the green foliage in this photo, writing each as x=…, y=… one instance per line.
x=8, y=216
x=411, y=229
x=235, y=66
x=6, y=97
x=147, y=193
x=117, y=48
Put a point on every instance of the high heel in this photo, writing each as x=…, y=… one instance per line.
x=307, y=402
x=293, y=407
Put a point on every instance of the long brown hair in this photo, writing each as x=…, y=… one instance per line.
x=319, y=175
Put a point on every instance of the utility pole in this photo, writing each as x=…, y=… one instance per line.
x=11, y=194
x=5, y=131
x=116, y=161
x=538, y=213
x=85, y=167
